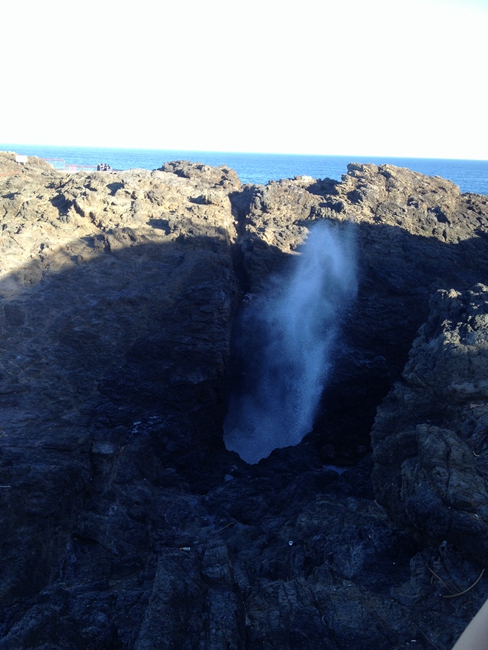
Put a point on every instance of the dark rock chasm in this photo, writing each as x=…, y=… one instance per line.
x=125, y=521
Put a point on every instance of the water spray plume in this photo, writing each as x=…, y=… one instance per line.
x=288, y=338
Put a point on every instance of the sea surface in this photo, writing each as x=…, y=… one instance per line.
x=257, y=168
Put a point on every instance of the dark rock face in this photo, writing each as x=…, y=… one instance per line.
x=125, y=522
x=404, y=255
x=430, y=433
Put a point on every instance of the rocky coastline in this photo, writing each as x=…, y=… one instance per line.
x=126, y=524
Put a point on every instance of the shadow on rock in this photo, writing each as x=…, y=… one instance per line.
x=124, y=519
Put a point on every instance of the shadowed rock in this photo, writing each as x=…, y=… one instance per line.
x=125, y=522
x=429, y=436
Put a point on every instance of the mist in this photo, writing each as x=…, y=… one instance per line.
x=286, y=345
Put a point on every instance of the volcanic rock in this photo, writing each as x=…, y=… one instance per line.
x=126, y=524
x=429, y=436
x=406, y=251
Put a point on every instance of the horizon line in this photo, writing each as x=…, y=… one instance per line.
x=351, y=157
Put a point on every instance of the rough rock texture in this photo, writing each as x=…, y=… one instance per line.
x=414, y=235
x=430, y=434
x=125, y=522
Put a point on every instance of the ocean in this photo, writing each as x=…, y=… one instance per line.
x=257, y=168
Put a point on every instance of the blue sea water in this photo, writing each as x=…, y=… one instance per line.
x=470, y=175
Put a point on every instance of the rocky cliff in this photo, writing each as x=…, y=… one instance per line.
x=127, y=524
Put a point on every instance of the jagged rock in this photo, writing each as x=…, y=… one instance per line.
x=429, y=438
x=125, y=522
x=405, y=253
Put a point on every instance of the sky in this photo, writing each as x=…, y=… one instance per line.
x=357, y=77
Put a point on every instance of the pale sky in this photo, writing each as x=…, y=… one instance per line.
x=349, y=77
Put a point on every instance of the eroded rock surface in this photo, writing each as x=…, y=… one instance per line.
x=414, y=235
x=430, y=433
x=125, y=522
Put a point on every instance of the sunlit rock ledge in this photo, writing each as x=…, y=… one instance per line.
x=125, y=521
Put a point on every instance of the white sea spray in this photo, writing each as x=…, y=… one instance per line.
x=297, y=326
